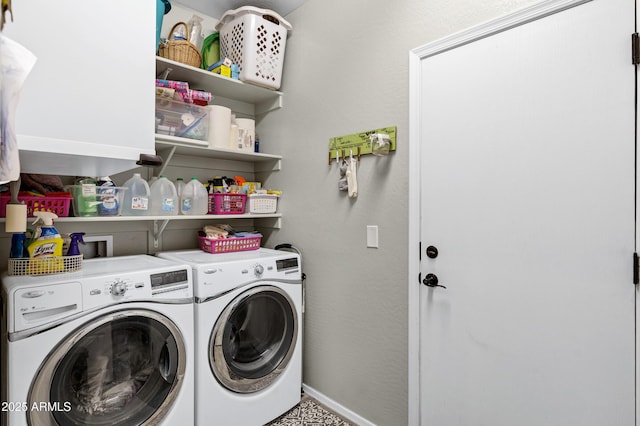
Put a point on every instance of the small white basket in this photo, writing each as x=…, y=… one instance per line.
x=255, y=40
x=45, y=265
x=263, y=203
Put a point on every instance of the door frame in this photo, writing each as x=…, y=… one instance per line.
x=416, y=56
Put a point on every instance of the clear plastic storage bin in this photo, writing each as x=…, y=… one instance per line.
x=176, y=118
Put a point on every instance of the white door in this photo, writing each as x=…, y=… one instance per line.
x=527, y=192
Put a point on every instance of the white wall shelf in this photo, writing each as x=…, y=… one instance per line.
x=168, y=146
x=242, y=98
x=201, y=149
x=261, y=99
x=272, y=220
x=162, y=218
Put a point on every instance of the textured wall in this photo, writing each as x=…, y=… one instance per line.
x=346, y=70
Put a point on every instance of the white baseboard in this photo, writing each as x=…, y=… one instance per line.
x=335, y=406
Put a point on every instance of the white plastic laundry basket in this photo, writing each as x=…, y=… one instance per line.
x=255, y=40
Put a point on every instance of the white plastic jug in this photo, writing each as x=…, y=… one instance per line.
x=164, y=198
x=194, y=199
x=136, y=197
x=179, y=187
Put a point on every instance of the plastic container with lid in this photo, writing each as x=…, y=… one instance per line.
x=136, y=197
x=164, y=198
x=108, y=196
x=85, y=197
x=194, y=198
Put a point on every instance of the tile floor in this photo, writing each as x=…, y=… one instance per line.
x=309, y=412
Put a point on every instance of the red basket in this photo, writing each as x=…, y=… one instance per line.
x=227, y=203
x=228, y=245
x=55, y=204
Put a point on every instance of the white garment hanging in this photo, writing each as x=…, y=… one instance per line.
x=15, y=64
x=352, y=180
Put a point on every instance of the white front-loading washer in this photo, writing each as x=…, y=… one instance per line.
x=111, y=344
x=248, y=316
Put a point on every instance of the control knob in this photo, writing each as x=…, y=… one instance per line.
x=258, y=269
x=118, y=288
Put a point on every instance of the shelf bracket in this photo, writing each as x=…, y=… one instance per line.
x=268, y=166
x=267, y=106
x=269, y=222
x=166, y=160
x=158, y=229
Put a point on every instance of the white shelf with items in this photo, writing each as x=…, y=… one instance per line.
x=168, y=146
x=271, y=220
x=72, y=219
x=244, y=99
x=248, y=99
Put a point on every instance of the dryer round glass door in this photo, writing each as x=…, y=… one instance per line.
x=253, y=339
x=123, y=368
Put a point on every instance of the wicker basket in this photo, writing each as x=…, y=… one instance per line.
x=44, y=266
x=180, y=50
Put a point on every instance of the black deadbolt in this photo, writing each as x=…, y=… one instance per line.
x=432, y=252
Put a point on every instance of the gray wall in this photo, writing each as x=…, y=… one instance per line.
x=346, y=70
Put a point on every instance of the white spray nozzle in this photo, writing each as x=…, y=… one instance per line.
x=46, y=218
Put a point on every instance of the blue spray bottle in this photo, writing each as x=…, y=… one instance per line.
x=76, y=238
x=19, y=246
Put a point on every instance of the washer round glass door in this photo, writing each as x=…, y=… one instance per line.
x=253, y=339
x=123, y=368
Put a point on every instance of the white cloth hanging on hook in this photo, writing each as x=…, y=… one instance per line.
x=351, y=174
x=343, y=166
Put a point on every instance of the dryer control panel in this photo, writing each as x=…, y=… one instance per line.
x=287, y=264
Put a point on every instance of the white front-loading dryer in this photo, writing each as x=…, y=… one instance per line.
x=111, y=344
x=248, y=316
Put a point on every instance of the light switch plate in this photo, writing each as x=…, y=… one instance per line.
x=372, y=236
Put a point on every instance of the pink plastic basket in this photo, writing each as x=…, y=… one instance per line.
x=228, y=245
x=228, y=203
x=57, y=205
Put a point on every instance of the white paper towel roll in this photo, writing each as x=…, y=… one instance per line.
x=219, y=126
x=233, y=137
x=16, y=218
x=246, y=133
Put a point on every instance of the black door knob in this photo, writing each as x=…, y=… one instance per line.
x=431, y=280
x=432, y=252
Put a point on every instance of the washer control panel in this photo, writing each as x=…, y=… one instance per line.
x=174, y=283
